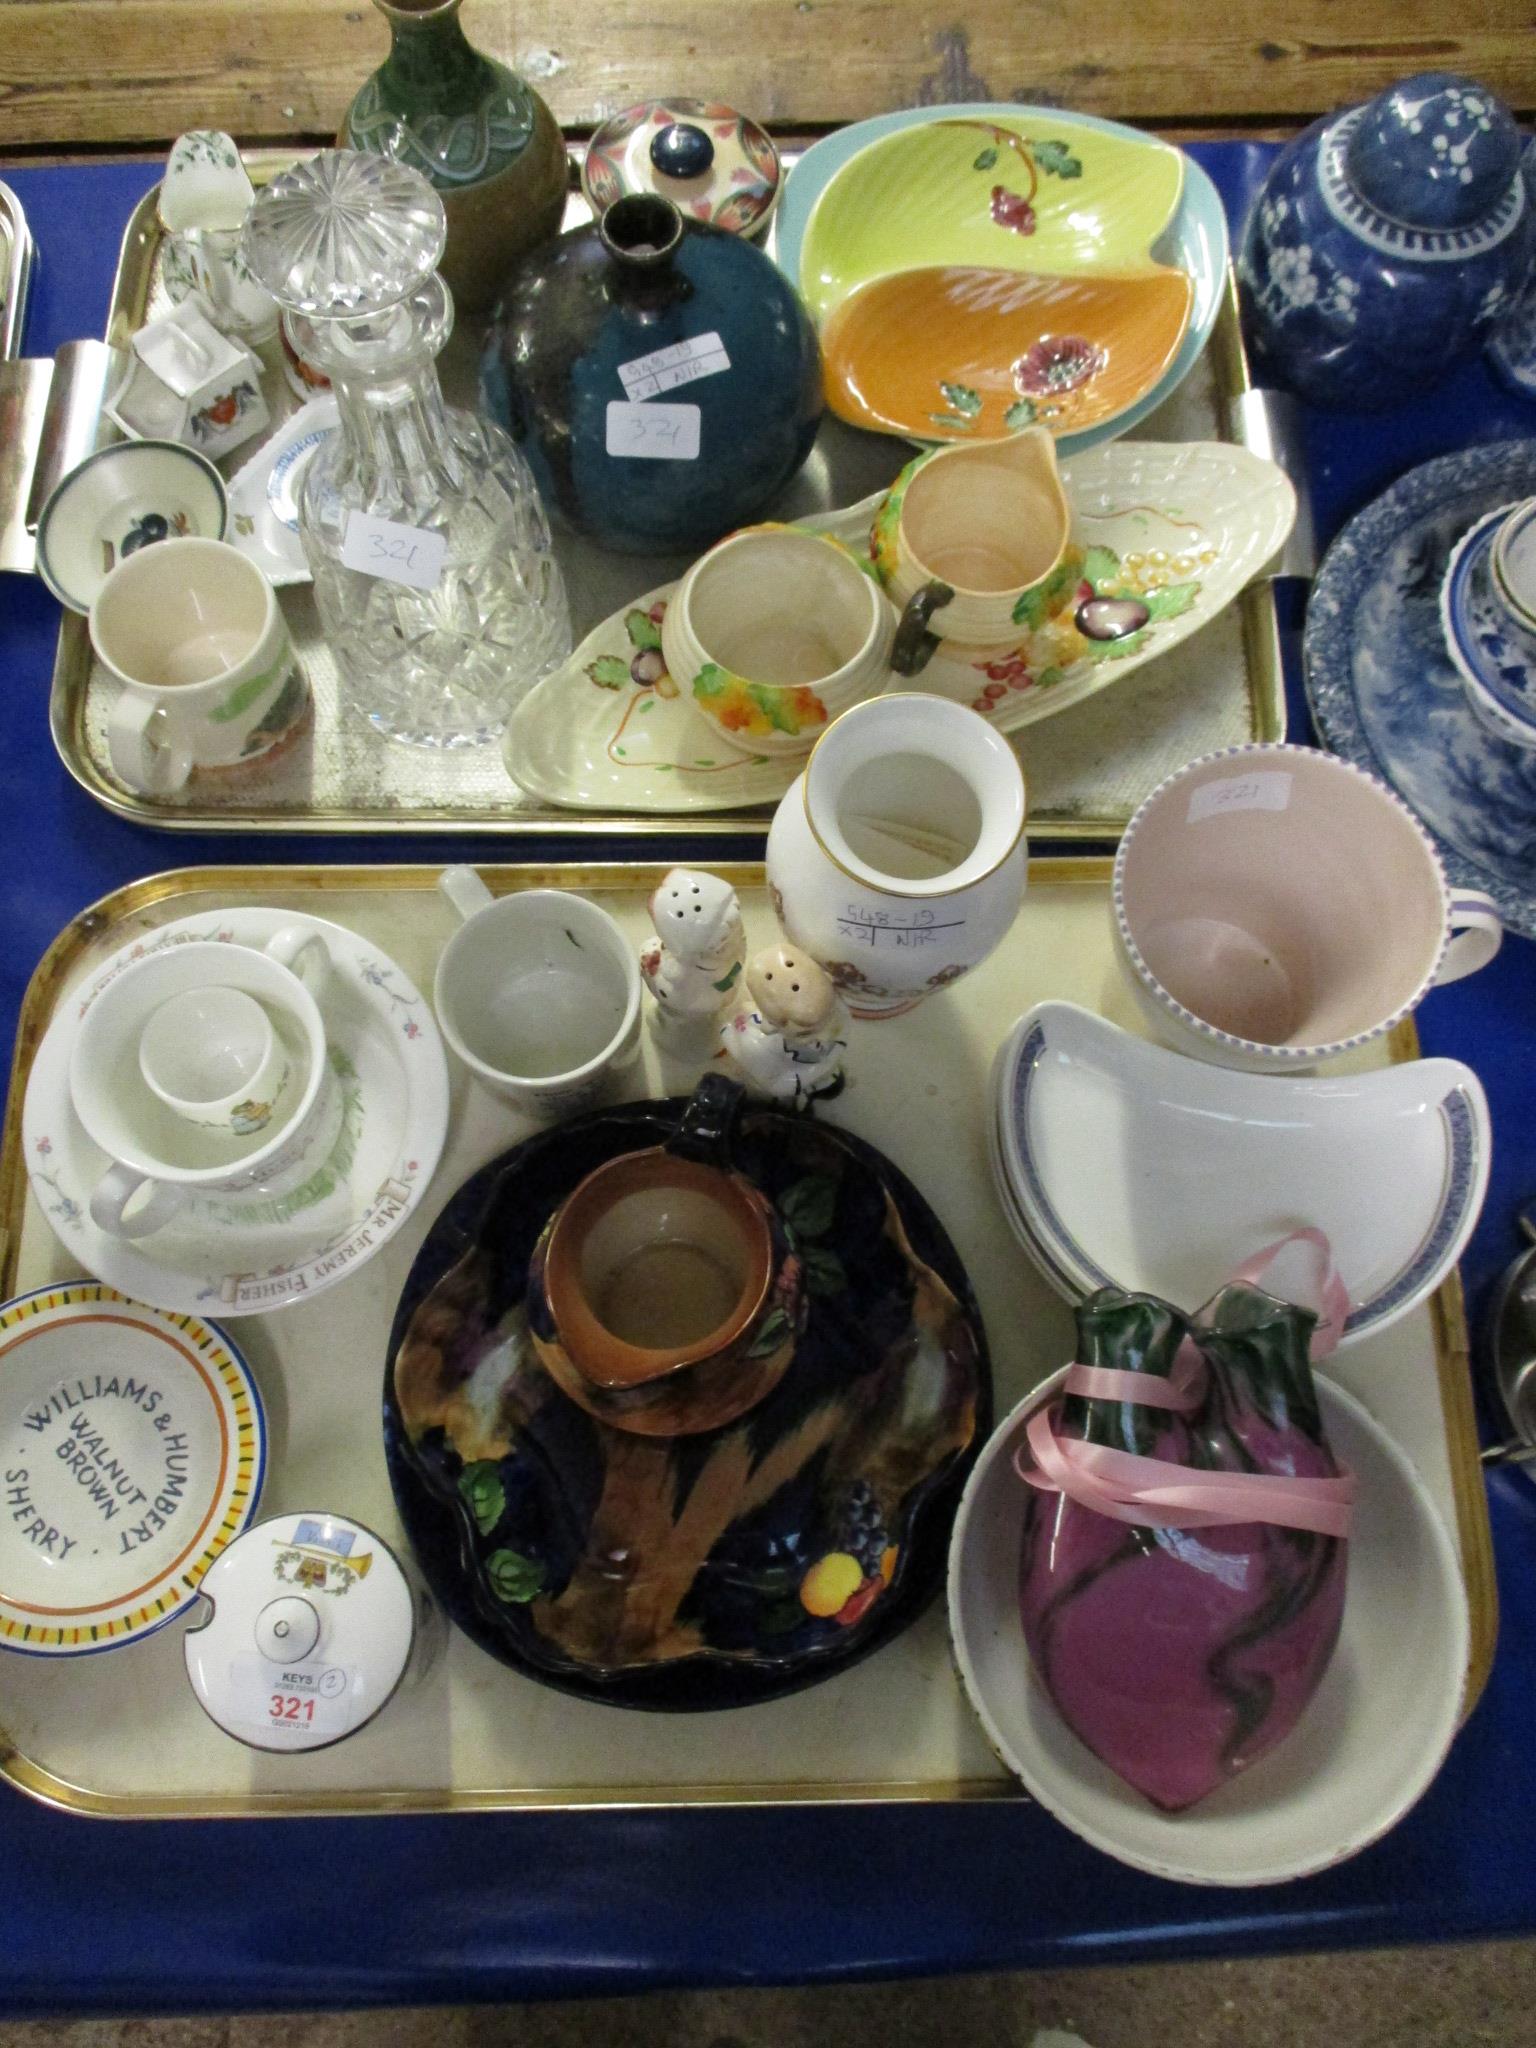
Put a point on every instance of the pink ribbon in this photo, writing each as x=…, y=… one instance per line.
x=1130, y=1488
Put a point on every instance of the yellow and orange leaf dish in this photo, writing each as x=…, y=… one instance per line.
x=973, y=277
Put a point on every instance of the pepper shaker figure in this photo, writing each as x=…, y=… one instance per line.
x=789, y=1041
x=693, y=962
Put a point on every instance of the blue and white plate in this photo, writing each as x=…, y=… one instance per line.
x=1385, y=692
x=1196, y=239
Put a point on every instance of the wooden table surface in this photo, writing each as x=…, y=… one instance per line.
x=134, y=73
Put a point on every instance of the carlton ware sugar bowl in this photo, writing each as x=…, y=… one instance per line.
x=1385, y=242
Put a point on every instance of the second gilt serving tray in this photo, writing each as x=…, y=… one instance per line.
x=1087, y=768
x=122, y=1734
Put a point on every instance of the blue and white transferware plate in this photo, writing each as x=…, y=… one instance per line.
x=1385, y=692
x=1196, y=238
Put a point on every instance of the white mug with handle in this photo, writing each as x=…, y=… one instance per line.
x=195, y=635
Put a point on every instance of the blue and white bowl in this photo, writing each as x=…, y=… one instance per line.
x=1488, y=612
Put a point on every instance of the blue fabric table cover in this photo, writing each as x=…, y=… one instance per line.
x=180, y=1916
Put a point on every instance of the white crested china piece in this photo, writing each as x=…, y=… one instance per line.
x=264, y=493
x=134, y=1444
x=237, y=1255
x=1369, y=1743
x=1135, y=1167
x=1193, y=523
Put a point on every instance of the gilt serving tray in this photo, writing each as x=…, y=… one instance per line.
x=1088, y=768
x=122, y=1734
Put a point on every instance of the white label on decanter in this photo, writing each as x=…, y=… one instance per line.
x=664, y=369
x=653, y=433
x=1269, y=790
x=400, y=554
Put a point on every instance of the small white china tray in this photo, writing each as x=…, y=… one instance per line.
x=123, y=1735
x=1088, y=768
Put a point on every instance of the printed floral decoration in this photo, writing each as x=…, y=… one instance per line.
x=1294, y=286
x=752, y=709
x=222, y=414
x=1117, y=603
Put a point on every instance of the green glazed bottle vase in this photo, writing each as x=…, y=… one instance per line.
x=486, y=141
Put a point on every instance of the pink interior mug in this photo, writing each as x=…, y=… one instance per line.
x=1275, y=906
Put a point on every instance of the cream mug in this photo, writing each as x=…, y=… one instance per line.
x=1275, y=906
x=194, y=633
x=774, y=633
x=161, y=1159
x=538, y=993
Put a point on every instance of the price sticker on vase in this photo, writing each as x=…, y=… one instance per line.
x=653, y=433
x=396, y=553
x=291, y=1706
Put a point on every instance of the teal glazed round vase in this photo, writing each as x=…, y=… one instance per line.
x=485, y=140
x=661, y=376
x=1385, y=242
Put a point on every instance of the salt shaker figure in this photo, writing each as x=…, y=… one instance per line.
x=789, y=1040
x=693, y=962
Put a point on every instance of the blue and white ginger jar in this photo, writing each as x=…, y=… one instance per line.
x=1385, y=241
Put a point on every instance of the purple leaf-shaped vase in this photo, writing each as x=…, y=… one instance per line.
x=1181, y=1656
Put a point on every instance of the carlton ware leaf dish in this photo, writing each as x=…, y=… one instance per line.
x=1175, y=532
x=1386, y=693
x=734, y=1563
x=1195, y=239
x=980, y=273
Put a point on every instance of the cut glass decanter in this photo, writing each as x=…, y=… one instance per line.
x=434, y=577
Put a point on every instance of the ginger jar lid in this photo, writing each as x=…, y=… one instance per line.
x=714, y=164
x=1435, y=151
x=312, y=1626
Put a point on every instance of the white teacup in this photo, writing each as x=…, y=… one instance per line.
x=160, y=1158
x=538, y=993
x=1275, y=906
x=214, y=1058
x=194, y=633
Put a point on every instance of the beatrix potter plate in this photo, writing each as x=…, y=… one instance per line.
x=1193, y=242
x=1185, y=525
x=231, y=1256
x=757, y=1557
x=133, y=1445
x=1385, y=692
x=1132, y=1166
x=1366, y=1748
